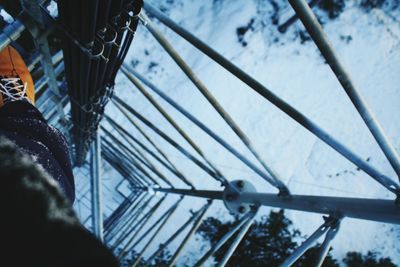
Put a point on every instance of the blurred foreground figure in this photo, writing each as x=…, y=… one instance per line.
x=38, y=225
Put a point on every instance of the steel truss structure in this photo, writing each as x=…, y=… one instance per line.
x=127, y=229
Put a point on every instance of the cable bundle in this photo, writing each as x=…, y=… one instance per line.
x=100, y=33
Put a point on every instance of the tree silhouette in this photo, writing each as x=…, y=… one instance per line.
x=268, y=242
x=355, y=259
x=161, y=260
x=271, y=240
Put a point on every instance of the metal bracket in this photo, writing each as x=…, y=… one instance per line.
x=231, y=194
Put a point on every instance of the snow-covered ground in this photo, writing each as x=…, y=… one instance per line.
x=368, y=44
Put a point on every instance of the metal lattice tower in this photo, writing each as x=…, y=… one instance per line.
x=150, y=178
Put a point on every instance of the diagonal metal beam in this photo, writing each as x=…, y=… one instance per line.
x=174, y=124
x=137, y=154
x=177, y=233
x=140, y=226
x=167, y=163
x=166, y=216
x=131, y=159
x=320, y=38
x=245, y=218
x=240, y=235
x=196, y=225
x=201, y=125
x=311, y=240
x=273, y=177
x=277, y=101
x=167, y=138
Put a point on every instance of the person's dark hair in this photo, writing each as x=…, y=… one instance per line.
x=38, y=226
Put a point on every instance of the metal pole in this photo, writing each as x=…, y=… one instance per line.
x=10, y=33
x=195, y=193
x=283, y=27
x=55, y=109
x=310, y=241
x=97, y=215
x=326, y=245
x=122, y=228
x=130, y=158
x=225, y=238
x=195, y=226
x=122, y=208
x=123, y=167
x=167, y=138
x=140, y=130
x=133, y=206
x=43, y=97
x=39, y=30
x=316, y=32
x=124, y=171
x=139, y=86
x=130, y=225
x=237, y=240
x=172, y=238
x=361, y=208
x=134, y=162
x=367, y=209
x=140, y=226
x=169, y=166
x=146, y=162
x=201, y=125
x=274, y=99
x=32, y=7
x=127, y=163
x=273, y=178
x=142, y=158
x=160, y=227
